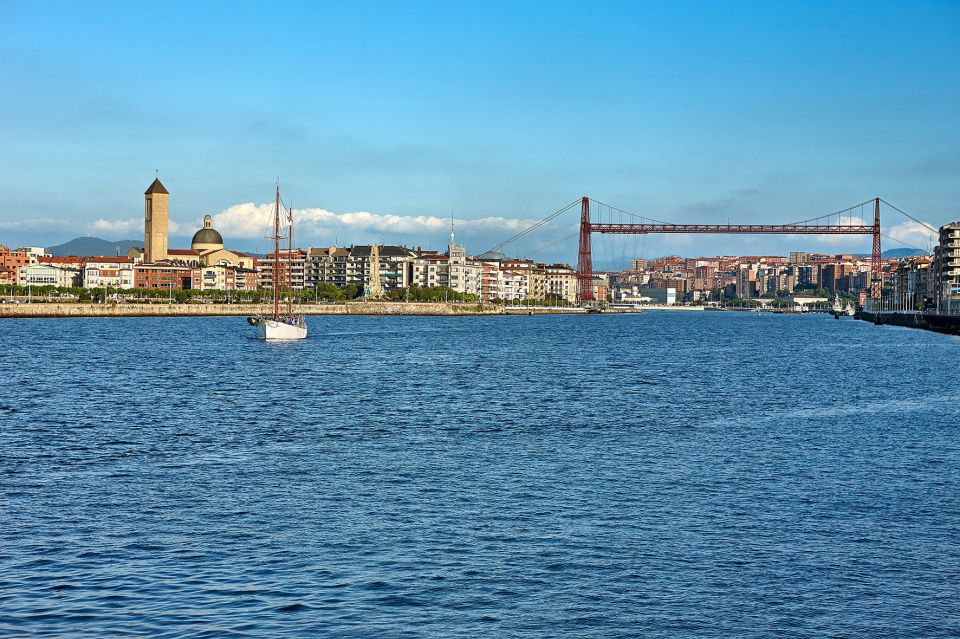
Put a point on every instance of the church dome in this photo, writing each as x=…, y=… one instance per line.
x=207, y=238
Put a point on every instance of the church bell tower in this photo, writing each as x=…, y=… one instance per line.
x=155, y=222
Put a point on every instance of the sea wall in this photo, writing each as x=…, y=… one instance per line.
x=54, y=309
x=914, y=319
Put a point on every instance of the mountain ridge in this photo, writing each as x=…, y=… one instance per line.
x=82, y=246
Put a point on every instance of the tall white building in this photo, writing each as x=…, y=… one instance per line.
x=453, y=270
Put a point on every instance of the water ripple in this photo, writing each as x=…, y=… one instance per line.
x=662, y=475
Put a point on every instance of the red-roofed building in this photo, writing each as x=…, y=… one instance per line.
x=10, y=263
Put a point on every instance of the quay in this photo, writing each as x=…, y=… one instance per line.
x=931, y=321
x=59, y=309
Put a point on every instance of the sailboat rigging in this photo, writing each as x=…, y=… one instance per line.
x=290, y=325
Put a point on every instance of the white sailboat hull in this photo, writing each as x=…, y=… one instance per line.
x=269, y=329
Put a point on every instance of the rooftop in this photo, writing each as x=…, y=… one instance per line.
x=156, y=187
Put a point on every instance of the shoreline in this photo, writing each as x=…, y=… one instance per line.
x=66, y=310
x=48, y=310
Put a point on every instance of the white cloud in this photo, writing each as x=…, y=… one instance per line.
x=912, y=233
x=251, y=220
x=909, y=232
x=122, y=227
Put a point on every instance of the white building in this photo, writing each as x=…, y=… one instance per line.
x=42, y=274
x=35, y=253
x=453, y=270
x=115, y=272
x=514, y=285
x=649, y=295
x=561, y=283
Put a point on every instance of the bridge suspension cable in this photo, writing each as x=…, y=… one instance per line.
x=902, y=212
x=534, y=226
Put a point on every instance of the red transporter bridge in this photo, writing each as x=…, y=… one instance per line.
x=814, y=226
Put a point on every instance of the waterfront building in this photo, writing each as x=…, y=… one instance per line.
x=489, y=280
x=450, y=270
x=516, y=280
x=464, y=275
x=50, y=274
x=224, y=277
x=561, y=283
x=514, y=285
x=115, y=272
x=165, y=276
x=10, y=263
x=648, y=295
x=911, y=279
x=947, y=263
x=325, y=266
x=340, y=266
x=430, y=269
x=395, y=265
x=601, y=288
x=291, y=264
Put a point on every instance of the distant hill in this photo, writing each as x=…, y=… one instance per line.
x=897, y=252
x=93, y=246
x=902, y=252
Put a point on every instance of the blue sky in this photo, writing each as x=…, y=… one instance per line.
x=498, y=112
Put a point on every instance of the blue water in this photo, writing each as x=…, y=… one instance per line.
x=656, y=475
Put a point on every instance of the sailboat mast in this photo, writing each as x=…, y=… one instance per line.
x=290, y=265
x=276, y=254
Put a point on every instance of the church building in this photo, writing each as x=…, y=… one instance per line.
x=206, y=248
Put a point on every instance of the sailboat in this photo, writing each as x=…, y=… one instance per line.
x=289, y=325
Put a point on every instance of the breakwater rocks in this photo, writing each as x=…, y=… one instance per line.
x=54, y=309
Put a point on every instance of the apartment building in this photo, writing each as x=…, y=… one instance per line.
x=115, y=272
x=290, y=265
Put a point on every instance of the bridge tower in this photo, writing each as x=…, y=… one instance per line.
x=585, y=256
x=876, y=262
